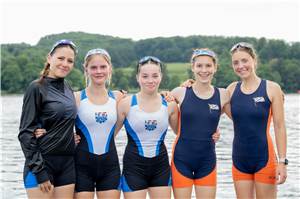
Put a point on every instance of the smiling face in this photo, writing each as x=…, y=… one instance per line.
x=243, y=64
x=204, y=69
x=61, y=62
x=97, y=69
x=149, y=77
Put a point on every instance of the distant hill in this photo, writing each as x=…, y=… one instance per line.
x=21, y=63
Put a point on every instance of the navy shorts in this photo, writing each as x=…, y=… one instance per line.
x=141, y=172
x=60, y=169
x=100, y=172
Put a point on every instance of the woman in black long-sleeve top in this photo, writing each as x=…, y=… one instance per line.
x=49, y=104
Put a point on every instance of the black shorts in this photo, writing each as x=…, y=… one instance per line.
x=97, y=171
x=141, y=172
x=60, y=169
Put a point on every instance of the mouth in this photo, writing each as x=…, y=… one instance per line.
x=64, y=70
x=242, y=70
x=99, y=77
x=150, y=86
x=204, y=75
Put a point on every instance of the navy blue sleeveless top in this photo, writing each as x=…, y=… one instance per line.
x=199, y=117
x=250, y=115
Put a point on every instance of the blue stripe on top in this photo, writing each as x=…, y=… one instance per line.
x=134, y=136
x=133, y=100
x=111, y=94
x=83, y=95
x=86, y=133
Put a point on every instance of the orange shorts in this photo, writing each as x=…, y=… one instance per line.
x=265, y=175
x=180, y=181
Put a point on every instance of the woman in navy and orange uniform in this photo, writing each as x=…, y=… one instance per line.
x=194, y=157
x=254, y=102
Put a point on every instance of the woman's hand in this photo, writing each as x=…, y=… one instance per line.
x=188, y=83
x=39, y=132
x=167, y=95
x=76, y=138
x=281, y=173
x=123, y=94
x=216, y=136
x=46, y=186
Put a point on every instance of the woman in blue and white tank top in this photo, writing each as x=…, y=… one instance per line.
x=96, y=159
x=146, y=116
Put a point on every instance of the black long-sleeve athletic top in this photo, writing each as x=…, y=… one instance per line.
x=51, y=105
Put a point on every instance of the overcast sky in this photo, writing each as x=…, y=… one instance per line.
x=29, y=20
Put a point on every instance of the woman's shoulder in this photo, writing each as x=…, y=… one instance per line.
x=178, y=91
x=224, y=95
x=35, y=86
x=77, y=94
x=232, y=85
x=274, y=90
x=273, y=85
x=223, y=91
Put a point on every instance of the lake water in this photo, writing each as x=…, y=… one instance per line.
x=12, y=159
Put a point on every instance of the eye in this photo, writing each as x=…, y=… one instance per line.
x=244, y=60
x=93, y=67
x=71, y=61
x=235, y=63
x=103, y=66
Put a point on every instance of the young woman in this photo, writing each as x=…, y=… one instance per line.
x=194, y=157
x=97, y=164
x=254, y=101
x=49, y=103
x=146, y=116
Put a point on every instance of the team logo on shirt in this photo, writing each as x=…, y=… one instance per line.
x=150, y=125
x=100, y=117
x=258, y=100
x=213, y=107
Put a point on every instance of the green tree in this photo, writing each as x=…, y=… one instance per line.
x=11, y=78
x=76, y=79
x=174, y=82
x=120, y=79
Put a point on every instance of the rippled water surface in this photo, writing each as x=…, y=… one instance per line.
x=12, y=160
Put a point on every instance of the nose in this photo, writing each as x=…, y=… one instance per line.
x=203, y=69
x=240, y=65
x=152, y=79
x=98, y=70
x=66, y=63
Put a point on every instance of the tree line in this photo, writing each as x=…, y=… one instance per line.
x=21, y=63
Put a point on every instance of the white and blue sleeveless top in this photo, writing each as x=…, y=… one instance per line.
x=146, y=131
x=96, y=124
